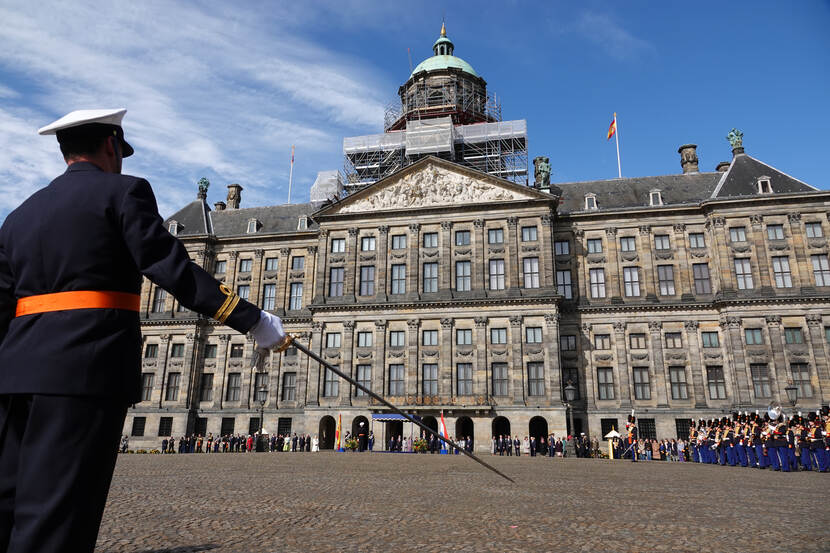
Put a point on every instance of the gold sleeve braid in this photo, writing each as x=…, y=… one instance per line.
x=231, y=301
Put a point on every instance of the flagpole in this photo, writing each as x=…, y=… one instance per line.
x=291, y=170
x=617, y=136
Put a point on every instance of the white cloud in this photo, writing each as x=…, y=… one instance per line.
x=605, y=32
x=212, y=91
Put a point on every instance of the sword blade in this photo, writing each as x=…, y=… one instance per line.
x=372, y=394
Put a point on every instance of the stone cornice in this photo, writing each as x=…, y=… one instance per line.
x=698, y=306
x=552, y=300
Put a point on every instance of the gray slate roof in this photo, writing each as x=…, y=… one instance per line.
x=741, y=179
x=193, y=219
x=234, y=222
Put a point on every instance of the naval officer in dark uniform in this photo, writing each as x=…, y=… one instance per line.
x=72, y=258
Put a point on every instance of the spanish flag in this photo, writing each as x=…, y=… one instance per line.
x=612, y=129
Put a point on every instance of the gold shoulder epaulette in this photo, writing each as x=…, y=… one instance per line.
x=231, y=301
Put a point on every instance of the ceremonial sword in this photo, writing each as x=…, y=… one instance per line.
x=377, y=397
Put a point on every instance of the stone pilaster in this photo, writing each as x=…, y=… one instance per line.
x=802, y=270
x=661, y=381
x=413, y=365
x=623, y=373
x=351, y=276
x=778, y=371
x=482, y=379
x=232, y=269
x=815, y=328
x=735, y=353
x=256, y=278
x=413, y=265
x=191, y=370
x=613, y=271
x=581, y=287
x=315, y=374
x=283, y=268
x=511, y=257
x=308, y=278
x=161, y=374
x=382, y=264
x=321, y=280
x=446, y=382
x=588, y=363
x=547, y=278
x=647, y=261
x=445, y=264
x=247, y=372
x=695, y=363
x=518, y=380
x=347, y=366
x=761, y=256
x=477, y=268
x=720, y=246
x=221, y=371
x=683, y=277
x=552, y=359
x=379, y=367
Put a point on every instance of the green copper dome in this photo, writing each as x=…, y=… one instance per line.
x=443, y=58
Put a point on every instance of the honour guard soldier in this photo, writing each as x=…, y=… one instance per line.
x=72, y=258
x=631, y=442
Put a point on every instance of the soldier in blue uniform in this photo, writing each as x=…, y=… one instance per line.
x=72, y=258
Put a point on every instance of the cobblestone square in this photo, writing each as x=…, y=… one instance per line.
x=404, y=502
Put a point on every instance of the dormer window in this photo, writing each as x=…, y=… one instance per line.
x=764, y=185
x=302, y=223
x=173, y=227
x=253, y=225
x=590, y=201
x=655, y=197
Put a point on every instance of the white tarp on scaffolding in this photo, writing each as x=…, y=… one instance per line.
x=429, y=136
x=374, y=142
x=327, y=186
x=500, y=130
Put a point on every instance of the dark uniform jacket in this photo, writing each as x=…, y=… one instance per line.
x=91, y=230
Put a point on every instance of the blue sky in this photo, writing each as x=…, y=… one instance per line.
x=222, y=89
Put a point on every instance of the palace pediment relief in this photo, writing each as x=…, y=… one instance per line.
x=435, y=183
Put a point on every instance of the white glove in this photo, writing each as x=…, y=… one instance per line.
x=268, y=332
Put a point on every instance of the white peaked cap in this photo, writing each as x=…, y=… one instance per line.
x=85, y=117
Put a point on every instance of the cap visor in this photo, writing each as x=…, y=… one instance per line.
x=128, y=150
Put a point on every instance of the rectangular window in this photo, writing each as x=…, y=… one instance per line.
x=754, y=336
x=236, y=350
x=597, y=277
x=269, y=297
x=177, y=350
x=760, y=380
x=716, y=382
x=367, y=280
x=245, y=265
x=665, y=278
x=567, y=342
x=289, y=386
x=336, y=276
x=151, y=351
x=398, y=279
x=396, y=382
x=661, y=242
x=637, y=341
x=430, y=277
x=331, y=384
x=562, y=247
x=697, y=240
x=253, y=425
x=284, y=425
x=682, y=427
x=605, y=382
x=602, y=341
x=396, y=338
x=260, y=386
x=367, y=244
x=595, y=245
x=206, y=387
x=463, y=336
x=296, y=301
x=243, y=291
x=533, y=334
x=464, y=378
x=743, y=272
x=462, y=238
x=399, y=242
x=364, y=339
x=737, y=234
x=607, y=425
x=430, y=240
x=642, y=388
x=775, y=232
x=677, y=375
x=499, y=379
x=710, y=339
x=364, y=378
x=531, y=271
x=165, y=426
x=234, y=387
x=497, y=274
x=138, y=426
x=648, y=429
x=498, y=335
x=563, y=284
x=793, y=335
x=338, y=245
x=628, y=244
x=495, y=236
x=147, y=386
x=463, y=282
x=221, y=267
x=297, y=263
x=821, y=269
x=801, y=379
x=332, y=339
x=703, y=284
x=813, y=230
x=430, y=379
x=159, y=297
x=271, y=263
x=536, y=378
x=430, y=338
x=781, y=271
x=228, y=424
x=631, y=278
x=674, y=340
x=529, y=234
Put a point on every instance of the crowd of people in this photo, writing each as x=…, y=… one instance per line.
x=234, y=443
